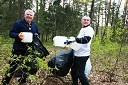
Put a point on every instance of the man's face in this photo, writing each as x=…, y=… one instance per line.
x=28, y=16
x=85, y=21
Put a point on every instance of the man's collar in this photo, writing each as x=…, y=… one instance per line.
x=26, y=22
x=86, y=26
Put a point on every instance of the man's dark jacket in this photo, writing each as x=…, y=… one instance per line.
x=22, y=26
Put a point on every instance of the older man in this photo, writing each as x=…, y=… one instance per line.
x=83, y=39
x=19, y=47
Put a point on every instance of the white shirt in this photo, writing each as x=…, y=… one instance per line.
x=84, y=48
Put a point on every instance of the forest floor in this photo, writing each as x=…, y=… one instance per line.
x=96, y=77
x=104, y=78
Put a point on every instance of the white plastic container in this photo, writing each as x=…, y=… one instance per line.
x=28, y=37
x=59, y=41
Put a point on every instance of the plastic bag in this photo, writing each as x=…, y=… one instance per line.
x=39, y=47
x=63, y=61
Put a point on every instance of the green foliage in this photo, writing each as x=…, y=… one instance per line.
x=103, y=51
x=109, y=57
x=65, y=20
x=32, y=77
x=5, y=47
x=0, y=40
x=42, y=64
x=6, y=67
x=120, y=35
x=27, y=63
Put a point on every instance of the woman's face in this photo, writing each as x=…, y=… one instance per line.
x=85, y=21
x=28, y=16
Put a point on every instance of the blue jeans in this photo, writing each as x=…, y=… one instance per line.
x=78, y=70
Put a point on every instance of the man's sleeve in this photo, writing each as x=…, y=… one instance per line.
x=83, y=40
x=14, y=31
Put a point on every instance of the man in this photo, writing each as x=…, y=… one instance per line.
x=83, y=39
x=19, y=47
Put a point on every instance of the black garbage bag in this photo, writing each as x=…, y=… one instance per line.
x=63, y=61
x=39, y=47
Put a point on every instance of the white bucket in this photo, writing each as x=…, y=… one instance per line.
x=27, y=37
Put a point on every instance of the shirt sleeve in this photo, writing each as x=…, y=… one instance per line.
x=85, y=35
x=14, y=30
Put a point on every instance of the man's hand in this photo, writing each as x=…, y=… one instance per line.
x=21, y=36
x=67, y=47
x=69, y=40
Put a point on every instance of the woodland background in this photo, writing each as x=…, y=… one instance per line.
x=109, y=49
